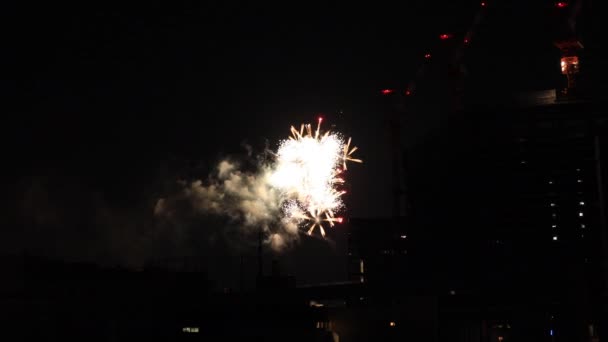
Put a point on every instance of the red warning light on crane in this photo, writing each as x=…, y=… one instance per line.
x=445, y=36
x=387, y=91
x=561, y=4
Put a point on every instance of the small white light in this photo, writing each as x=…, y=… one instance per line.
x=581, y=203
x=580, y=214
x=550, y=182
x=579, y=180
x=554, y=226
x=403, y=236
x=583, y=225
x=555, y=238
x=553, y=204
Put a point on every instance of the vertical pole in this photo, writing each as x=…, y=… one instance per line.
x=260, y=259
x=396, y=174
x=241, y=273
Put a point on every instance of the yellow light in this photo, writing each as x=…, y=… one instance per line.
x=193, y=330
x=391, y=323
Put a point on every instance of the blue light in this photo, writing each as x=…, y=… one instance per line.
x=551, y=332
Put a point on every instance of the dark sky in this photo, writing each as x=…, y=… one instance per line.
x=105, y=98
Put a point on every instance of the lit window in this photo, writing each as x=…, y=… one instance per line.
x=391, y=324
x=581, y=203
x=569, y=65
x=452, y=292
x=550, y=182
x=554, y=237
x=579, y=180
x=190, y=330
x=583, y=225
x=553, y=204
x=553, y=226
x=582, y=235
x=404, y=236
x=551, y=332
x=361, y=266
x=361, y=279
x=578, y=170
x=523, y=161
x=580, y=214
x=500, y=338
x=554, y=215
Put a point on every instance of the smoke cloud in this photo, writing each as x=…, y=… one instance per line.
x=247, y=199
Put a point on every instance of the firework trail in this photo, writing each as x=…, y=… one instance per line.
x=298, y=190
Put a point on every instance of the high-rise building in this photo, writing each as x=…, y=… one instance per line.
x=506, y=180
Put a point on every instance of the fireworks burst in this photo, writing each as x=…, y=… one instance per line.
x=308, y=171
x=298, y=190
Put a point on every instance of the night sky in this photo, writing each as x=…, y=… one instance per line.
x=109, y=102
